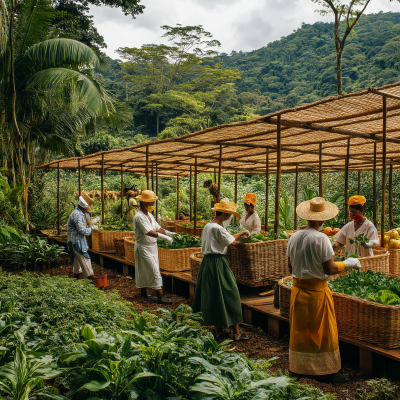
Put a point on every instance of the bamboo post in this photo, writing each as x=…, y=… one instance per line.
x=195, y=195
x=177, y=196
x=58, y=200
x=295, y=197
x=320, y=191
x=374, y=189
x=147, y=169
x=190, y=195
x=152, y=177
x=359, y=183
x=278, y=173
x=219, y=174
x=236, y=177
x=384, y=109
x=391, y=224
x=102, y=189
x=346, y=183
x=122, y=191
x=157, y=192
x=266, y=188
x=215, y=175
x=79, y=177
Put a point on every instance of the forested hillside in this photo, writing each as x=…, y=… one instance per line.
x=297, y=68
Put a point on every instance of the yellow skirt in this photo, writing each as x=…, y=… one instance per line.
x=314, y=342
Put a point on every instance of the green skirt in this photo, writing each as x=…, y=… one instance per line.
x=217, y=295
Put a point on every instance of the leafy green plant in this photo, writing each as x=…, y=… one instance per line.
x=379, y=389
x=357, y=240
x=285, y=211
x=180, y=241
x=119, y=226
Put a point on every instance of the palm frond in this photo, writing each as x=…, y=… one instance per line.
x=122, y=117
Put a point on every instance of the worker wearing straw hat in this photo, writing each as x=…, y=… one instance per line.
x=147, y=231
x=77, y=245
x=131, y=206
x=250, y=219
x=217, y=196
x=314, y=344
x=217, y=295
x=359, y=225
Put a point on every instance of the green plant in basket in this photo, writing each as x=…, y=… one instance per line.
x=181, y=241
x=259, y=237
x=120, y=226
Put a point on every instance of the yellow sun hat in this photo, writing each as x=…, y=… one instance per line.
x=354, y=200
x=147, y=196
x=250, y=198
x=317, y=209
x=226, y=207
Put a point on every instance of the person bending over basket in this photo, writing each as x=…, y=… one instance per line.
x=250, y=219
x=147, y=231
x=314, y=345
x=217, y=295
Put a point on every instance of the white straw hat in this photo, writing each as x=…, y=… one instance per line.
x=317, y=209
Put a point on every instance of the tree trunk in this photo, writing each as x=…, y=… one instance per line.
x=3, y=146
x=339, y=71
x=158, y=123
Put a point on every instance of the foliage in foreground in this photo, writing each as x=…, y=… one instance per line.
x=164, y=357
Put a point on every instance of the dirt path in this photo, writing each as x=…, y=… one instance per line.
x=261, y=346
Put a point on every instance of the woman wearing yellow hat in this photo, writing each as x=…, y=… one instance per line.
x=131, y=206
x=359, y=225
x=250, y=219
x=147, y=231
x=217, y=295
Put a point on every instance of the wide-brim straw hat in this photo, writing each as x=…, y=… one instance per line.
x=88, y=200
x=317, y=209
x=147, y=196
x=226, y=207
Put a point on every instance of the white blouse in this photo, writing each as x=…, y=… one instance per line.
x=215, y=239
x=252, y=224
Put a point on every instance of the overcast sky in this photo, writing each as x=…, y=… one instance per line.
x=238, y=24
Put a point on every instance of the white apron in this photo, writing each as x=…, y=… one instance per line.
x=147, y=270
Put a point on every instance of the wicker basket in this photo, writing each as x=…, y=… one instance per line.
x=119, y=247
x=129, y=247
x=104, y=240
x=358, y=318
x=190, y=231
x=195, y=262
x=394, y=259
x=175, y=260
x=256, y=262
x=171, y=225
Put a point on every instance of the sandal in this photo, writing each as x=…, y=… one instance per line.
x=242, y=336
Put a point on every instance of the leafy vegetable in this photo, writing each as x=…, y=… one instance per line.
x=233, y=229
x=121, y=226
x=200, y=224
x=259, y=237
x=185, y=241
x=360, y=239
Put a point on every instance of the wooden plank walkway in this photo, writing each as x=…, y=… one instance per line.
x=253, y=304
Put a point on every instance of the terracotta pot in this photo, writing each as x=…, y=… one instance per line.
x=100, y=281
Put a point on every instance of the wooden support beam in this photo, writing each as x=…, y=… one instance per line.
x=383, y=208
x=320, y=192
x=391, y=96
x=157, y=191
x=236, y=199
x=366, y=362
x=122, y=192
x=359, y=182
x=195, y=196
x=190, y=196
x=58, y=200
x=346, y=183
x=219, y=174
x=152, y=177
x=266, y=188
x=177, y=197
x=79, y=177
x=278, y=174
x=102, y=189
x=147, y=168
x=374, y=190
x=215, y=175
x=273, y=327
x=391, y=223
x=295, y=197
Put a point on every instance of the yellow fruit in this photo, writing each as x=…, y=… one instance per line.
x=394, y=235
x=386, y=239
x=394, y=244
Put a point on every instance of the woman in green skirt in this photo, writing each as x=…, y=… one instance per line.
x=217, y=295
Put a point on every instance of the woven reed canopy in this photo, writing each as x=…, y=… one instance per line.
x=314, y=137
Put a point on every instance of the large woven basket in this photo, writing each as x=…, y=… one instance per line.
x=175, y=260
x=394, y=259
x=358, y=318
x=119, y=247
x=171, y=225
x=190, y=231
x=256, y=262
x=195, y=262
x=104, y=240
x=129, y=247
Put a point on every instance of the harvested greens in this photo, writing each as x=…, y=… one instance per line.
x=233, y=229
x=200, y=224
x=373, y=286
x=121, y=226
x=360, y=239
x=259, y=237
x=184, y=242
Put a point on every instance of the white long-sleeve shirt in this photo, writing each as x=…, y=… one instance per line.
x=252, y=224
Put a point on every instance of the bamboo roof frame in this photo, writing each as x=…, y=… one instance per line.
x=314, y=137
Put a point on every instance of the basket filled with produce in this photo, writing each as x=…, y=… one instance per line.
x=259, y=257
x=392, y=245
x=188, y=227
x=103, y=239
x=175, y=257
x=129, y=248
x=195, y=262
x=367, y=306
